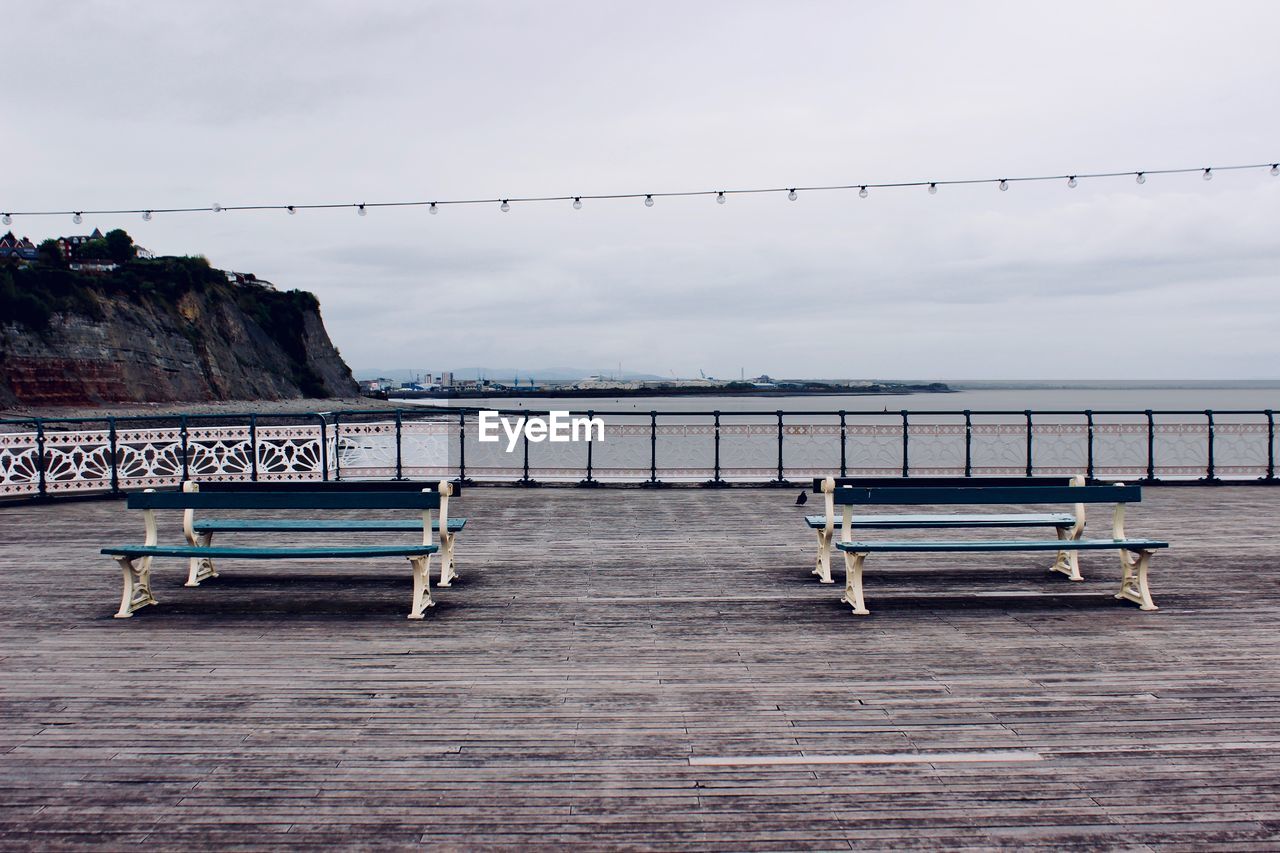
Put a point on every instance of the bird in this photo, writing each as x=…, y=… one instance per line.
x=802, y=500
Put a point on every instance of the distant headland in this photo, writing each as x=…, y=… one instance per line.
x=445, y=386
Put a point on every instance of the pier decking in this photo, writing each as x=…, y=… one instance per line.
x=648, y=669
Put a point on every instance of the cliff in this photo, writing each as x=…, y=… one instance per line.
x=163, y=330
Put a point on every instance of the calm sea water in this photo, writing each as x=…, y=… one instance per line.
x=1199, y=397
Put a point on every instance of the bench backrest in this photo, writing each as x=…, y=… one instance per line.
x=326, y=486
x=923, y=482
x=419, y=500
x=1118, y=493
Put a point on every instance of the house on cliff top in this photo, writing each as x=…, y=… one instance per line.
x=14, y=247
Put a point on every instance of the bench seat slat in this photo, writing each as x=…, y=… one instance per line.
x=266, y=525
x=1004, y=545
x=282, y=553
x=988, y=496
x=889, y=522
x=285, y=500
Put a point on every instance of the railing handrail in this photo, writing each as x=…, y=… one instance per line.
x=176, y=418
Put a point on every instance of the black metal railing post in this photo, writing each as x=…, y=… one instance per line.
x=906, y=432
x=781, y=480
x=716, y=479
x=524, y=477
x=1151, y=446
x=253, y=448
x=42, y=485
x=1030, y=466
x=337, y=446
x=113, y=449
x=184, y=439
x=590, y=480
x=653, y=447
x=1211, y=474
x=968, y=444
x=1088, y=471
x=399, y=446
x=462, y=446
x=844, y=467
x=1271, y=445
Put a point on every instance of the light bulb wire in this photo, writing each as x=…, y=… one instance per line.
x=115, y=211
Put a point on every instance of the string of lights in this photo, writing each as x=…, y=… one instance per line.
x=721, y=196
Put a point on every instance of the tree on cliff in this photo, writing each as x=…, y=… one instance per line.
x=50, y=252
x=120, y=246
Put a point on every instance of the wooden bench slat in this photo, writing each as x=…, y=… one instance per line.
x=326, y=486
x=282, y=525
x=281, y=553
x=284, y=500
x=925, y=521
x=984, y=496
x=1006, y=545
x=945, y=482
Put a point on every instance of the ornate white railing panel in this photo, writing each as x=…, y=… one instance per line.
x=19, y=465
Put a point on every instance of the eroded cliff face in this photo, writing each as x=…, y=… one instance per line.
x=121, y=342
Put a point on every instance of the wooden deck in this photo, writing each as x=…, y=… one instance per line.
x=623, y=669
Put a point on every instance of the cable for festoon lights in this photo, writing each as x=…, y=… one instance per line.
x=721, y=196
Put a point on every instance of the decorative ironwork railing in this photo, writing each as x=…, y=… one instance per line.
x=47, y=457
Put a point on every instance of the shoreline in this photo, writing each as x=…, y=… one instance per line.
x=226, y=407
x=624, y=393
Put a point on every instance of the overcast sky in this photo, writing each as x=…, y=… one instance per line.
x=158, y=104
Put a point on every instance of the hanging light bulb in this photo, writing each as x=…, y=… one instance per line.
x=577, y=203
x=933, y=189
x=292, y=210
x=433, y=208
x=360, y=209
x=1071, y=182
x=77, y=218
x=6, y=219
x=648, y=201
x=504, y=207
x=720, y=197
x=146, y=216
x=862, y=193
x=1141, y=178
x=217, y=208
x=791, y=195
x=1207, y=174
x=1004, y=185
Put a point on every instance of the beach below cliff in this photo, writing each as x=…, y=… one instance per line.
x=226, y=407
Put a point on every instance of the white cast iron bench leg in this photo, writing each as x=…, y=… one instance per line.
x=198, y=568
x=421, y=586
x=137, y=585
x=853, y=583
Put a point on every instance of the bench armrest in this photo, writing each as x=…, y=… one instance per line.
x=829, y=504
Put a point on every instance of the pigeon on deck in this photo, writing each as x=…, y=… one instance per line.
x=802, y=500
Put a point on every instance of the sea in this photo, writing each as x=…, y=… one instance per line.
x=1189, y=396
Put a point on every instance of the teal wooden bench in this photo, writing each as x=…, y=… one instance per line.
x=1066, y=525
x=1135, y=554
x=201, y=531
x=135, y=560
